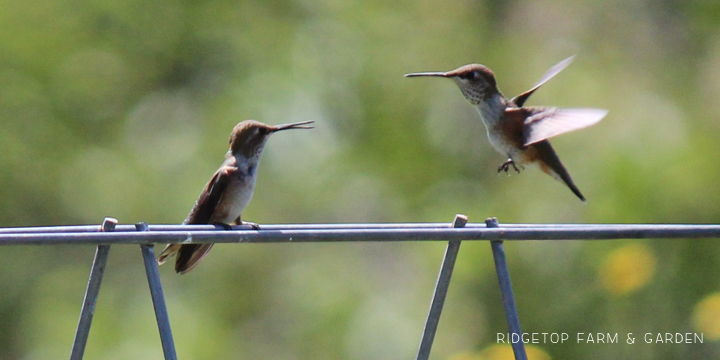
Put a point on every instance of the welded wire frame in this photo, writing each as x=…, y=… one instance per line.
x=91, y=294
x=147, y=235
x=441, y=289
x=198, y=234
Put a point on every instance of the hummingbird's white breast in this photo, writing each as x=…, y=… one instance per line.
x=491, y=112
x=237, y=195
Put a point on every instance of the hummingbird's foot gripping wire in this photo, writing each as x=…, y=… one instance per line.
x=506, y=166
x=230, y=226
x=224, y=225
x=252, y=224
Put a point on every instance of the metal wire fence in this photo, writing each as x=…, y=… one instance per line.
x=110, y=233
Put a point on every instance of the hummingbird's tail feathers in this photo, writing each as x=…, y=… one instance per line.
x=189, y=255
x=169, y=251
x=545, y=123
x=551, y=165
x=568, y=181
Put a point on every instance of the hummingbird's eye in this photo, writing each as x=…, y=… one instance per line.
x=262, y=131
x=472, y=75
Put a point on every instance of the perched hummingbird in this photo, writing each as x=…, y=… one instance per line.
x=229, y=191
x=519, y=132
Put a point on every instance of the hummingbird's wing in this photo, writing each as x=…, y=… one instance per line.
x=209, y=198
x=189, y=255
x=520, y=99
x=544, y=123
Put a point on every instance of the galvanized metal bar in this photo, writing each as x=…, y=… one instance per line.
x=441, y=288
x=161, y=313
x=175, y=227
x=91, y=294
x=589, y=232
x=508, y=298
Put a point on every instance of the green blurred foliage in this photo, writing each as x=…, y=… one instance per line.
x=124, y=108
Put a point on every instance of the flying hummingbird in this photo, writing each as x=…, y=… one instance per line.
x=518, y=132
x=230, y=189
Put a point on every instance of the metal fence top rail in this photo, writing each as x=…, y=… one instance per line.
x=127, y=234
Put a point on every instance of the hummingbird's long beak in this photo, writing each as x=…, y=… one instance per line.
x=429, y=73
x=297, y=125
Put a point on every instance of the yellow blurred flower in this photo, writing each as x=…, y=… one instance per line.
x=502, y=352
x=627, y=268
x=706, y=316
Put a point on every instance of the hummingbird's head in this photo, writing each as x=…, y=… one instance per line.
x=475, y=81
x=248, y=138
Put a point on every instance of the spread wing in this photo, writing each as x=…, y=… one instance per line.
x=545, y=123
x=520, y=99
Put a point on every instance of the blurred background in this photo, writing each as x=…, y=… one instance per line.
x=124, y=109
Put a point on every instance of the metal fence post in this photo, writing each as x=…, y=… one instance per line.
x=161, y=314
x=91, y=294
x=441, y=288
x=511, y=313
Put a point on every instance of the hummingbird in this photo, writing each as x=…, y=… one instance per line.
x=518, y=132
x=229, y=191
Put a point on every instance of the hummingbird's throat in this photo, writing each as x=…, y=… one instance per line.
x=491, y=110
x=473, y=95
